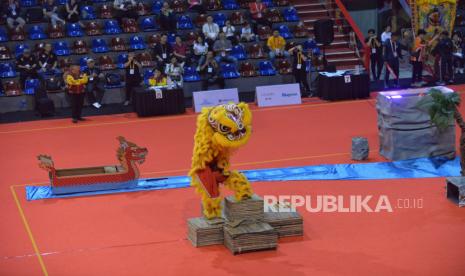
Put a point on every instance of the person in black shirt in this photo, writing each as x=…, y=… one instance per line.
x=133, y=77
x=210, y=71
x=27, y=66
x=47, y=61
x=299, y=69
x=13, y=15
x=375, y=53
x=444, y=49
x=163, y=51
x=392, y=52
x=94, y=88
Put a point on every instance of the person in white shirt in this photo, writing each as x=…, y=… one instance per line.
x=386, y=35
x=200, y=48
x=211, y=30
x=174, y=71
x=247, y=34
x=230, y=32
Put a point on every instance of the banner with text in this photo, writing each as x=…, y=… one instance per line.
x=214, y=97
x=283, y=94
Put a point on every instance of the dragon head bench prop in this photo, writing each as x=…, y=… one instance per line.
x=86, y=179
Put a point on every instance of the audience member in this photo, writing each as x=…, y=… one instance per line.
x=76, y=82
x=48, y=61
x=13, y=15
x=200, y=51
x=386, y=34
x=222, y=48
x=376, y=50
x=277, y=46
x=210, y=71
x=72, y=11
x=167, y=18
x=94, y=89
x=230, y=32
x=417, y=56
x=157, y=79
x=210, y=30
x=247, y=35
x=197, y=5
x=50, y=11
x=133, y=78
x=444, y=49
x=459, y=46
x=174, y=71
x=299, y=69
x=125, y=9
x=180, y=50
x=163, y=51
x=392, y=52
x=27, y=65
x=257, y=10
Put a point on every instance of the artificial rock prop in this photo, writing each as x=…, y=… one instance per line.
x=360, y=148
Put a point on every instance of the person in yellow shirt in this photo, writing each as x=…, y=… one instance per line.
x=76, y=81
x=157, y=79
x=277, y=46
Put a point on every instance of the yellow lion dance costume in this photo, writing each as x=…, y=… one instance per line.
x=220, y=130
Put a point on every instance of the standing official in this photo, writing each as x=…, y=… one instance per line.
x=76, y=81
x=299, y=69
x=392, y=52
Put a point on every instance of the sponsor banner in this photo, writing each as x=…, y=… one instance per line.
x=283, y=94
x=214, y=97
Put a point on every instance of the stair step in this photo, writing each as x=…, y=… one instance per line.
x=312, y=13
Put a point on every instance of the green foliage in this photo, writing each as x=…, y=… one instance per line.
x=440, y=106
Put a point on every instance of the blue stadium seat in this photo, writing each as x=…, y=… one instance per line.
x=290, y=14
x=156, y=7
x=137, y=43
x=27, y=3
x=19, y=49
x=148, y=24
x=121, y=60
x=74, y=30
x=171, y=38
x=37, y=32
x=185, y=23
x=3, y=35
x=112, y=27
x=83, y=63
x=88, y=13
x=61, y=48
x=7, y=70
x=147, y=75
x=285, y=32
x=266, y=68
x=61, y=2
x=116, y=79
x=268, y=3
x=30, y=86
x=99, y=46
x=230, y=4
x=309, y=45
x=219, y=18
x=191, y=74
x=229, y=71
x=238, y=52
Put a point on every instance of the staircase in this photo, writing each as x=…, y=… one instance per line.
x=338, y=53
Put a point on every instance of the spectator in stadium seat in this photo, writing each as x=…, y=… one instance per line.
x=230, y=32
x=210, y=30
x=50, y=11
x=48, y=61
x=72, y=11
x=277, y=46
x=299, y=67
x=180, y=50
x=200, y=51
x=375, y=53
x=13, y=15
x=247, y=34
x=125, y=9
x=133, y=77
x=27, y=65
x=157, y=79
x=163, y=51
x=386, y=34
x=257, y=10
x=197, y=5
x=167, y=18
x=94, y=88
x=76, y=81
x=222, y=48
x=174, y=71
x=210, y=71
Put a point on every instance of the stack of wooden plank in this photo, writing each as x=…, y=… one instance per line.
x=202, y=231
x=247, y=209
x=249, y=237
x=287, y=224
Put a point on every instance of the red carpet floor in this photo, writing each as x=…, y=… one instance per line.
x=144, y=233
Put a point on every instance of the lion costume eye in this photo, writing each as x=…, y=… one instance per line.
x=224, y=128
